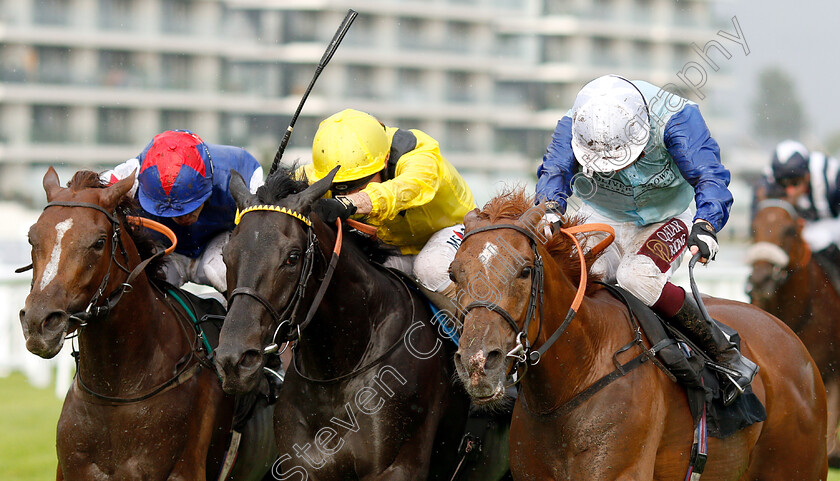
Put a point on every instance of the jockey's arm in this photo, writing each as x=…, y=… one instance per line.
x=416, y=183
x=697, y=156
x=558, y=166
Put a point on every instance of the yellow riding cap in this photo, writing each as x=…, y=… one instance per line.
x=425, y=195
x=354, y=140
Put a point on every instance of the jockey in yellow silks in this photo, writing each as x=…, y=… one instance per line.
x=398, y=181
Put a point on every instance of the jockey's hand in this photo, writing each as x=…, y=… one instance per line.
x=329, y=210
x=552, y=215
x=703, y=239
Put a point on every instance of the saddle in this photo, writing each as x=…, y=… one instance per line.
x=686, y=364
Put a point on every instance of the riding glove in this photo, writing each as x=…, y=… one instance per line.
x=339, y=207
x=703, y=236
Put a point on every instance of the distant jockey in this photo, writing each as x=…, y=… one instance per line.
x=183, y=183
x=398, y=181
x=637, y=156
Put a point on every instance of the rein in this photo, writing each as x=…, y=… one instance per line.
x=523, y=353
x=100, y=312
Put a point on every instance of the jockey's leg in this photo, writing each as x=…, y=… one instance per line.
x=209, y=268
x=647, y=273
x=431, y=267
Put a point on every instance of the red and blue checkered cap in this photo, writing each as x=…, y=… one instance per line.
x=175, y=174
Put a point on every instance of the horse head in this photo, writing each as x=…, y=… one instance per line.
x=497, y=271
x=72, y=255
x=778, y=249
x=269, y=260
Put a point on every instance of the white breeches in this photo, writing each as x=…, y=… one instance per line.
x=431, y=266
x=822, y=233
x=643, y=274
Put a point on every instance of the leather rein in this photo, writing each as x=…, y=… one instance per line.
x=94, y=311
x=524, y=354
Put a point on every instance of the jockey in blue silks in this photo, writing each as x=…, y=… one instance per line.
x=182, y=182
x=637, y=156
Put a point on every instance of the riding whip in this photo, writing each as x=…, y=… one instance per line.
x=331, y=48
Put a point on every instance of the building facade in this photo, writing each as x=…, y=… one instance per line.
x=87, y=83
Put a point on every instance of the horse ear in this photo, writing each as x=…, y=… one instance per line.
x=112, y=195
x=471, y=220
x=239, y=190
x=314, y=192
x=51, y=184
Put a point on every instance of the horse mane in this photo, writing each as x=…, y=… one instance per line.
x=146, y=244
x=513, y=203
x=286, y=181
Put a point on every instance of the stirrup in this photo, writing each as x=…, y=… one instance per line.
x=731, y=391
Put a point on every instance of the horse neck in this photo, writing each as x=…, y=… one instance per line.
x=567, y=367
x=117, y=352
x=358, y=297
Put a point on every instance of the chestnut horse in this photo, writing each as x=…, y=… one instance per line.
x=638, y=427
x=789, y=283
x=370, y=394
x=145, y=404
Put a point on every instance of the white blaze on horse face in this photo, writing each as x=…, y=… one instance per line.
x=487, y=254
x=52, y=267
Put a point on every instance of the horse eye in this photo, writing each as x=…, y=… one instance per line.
x=99, y=244
x=293, y=258
x=452, y=277
x=525, y=272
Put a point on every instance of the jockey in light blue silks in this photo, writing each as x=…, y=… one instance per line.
x=182, y=182
x=637, y=156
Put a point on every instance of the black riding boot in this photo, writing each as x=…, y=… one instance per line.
x=711, y=339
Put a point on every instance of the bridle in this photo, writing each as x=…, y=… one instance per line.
x=289, y=314
x=93, y=310
x=774, y=254
x=523, y=353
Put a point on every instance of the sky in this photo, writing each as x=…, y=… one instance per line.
x=801, y=38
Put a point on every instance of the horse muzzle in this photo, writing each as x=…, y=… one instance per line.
x=482, y=373
x=239, y=371
x=44, y=330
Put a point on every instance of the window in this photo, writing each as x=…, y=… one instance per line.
x=363, y=32
x=174, y=119
x=51, y=12
x=643, y=10
x=246, y=77
x=642, y=54
x=457, y=137
x=411, y=33
x=295, y=79
x=603, y=52
x=115, y=14
x=300, y=26
x=53, y=65
x=175, y=17
x=509, y=46
x=175, y=72
x=603, y=8
x=360, y=82
x=410, y=85
x=558, y=7
x=556, y=49
x=113, y=126
x=458, y=36
x=510, y=93
x=114, y=68
x=241, y=24
x=459, y=87
x=50, y=124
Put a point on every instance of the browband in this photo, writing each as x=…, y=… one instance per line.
x=273, y=208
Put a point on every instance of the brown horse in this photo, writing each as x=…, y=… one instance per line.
x=788, y=282
x=638, y=427
x=144, y=404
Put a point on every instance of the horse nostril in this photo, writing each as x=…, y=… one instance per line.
x=458, y=359
x=52, y=321
x=494, y=360
x=250, y=360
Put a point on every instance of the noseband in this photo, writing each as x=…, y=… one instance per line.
x=523, y=353
x=100, y=312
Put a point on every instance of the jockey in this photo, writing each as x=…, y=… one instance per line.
x=182, y=182
x=398, y=181
x=637, y=156
x=811, y=183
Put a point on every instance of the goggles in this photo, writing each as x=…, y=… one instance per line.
x=342, y=188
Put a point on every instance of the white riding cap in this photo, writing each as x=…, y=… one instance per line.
x=610, y=124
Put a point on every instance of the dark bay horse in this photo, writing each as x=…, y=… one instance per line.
x=144, y=405
x=638, y=427
x=371, y=393
x=788, y=282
